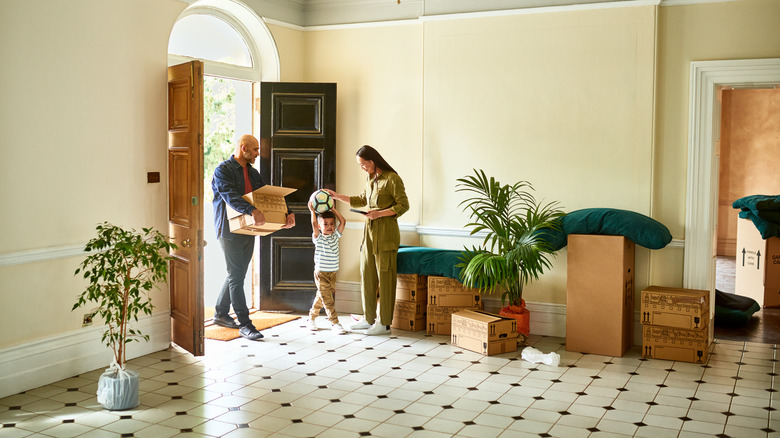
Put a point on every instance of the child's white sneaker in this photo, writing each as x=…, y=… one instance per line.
x=312, y=325
x=338, y=329
x=360, y=325
x=378, y=329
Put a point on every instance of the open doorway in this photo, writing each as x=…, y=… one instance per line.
x=237, y=52
x=227, y=112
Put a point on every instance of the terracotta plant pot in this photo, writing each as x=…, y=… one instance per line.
x=523, y=317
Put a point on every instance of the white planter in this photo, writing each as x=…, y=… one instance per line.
x=118, y=389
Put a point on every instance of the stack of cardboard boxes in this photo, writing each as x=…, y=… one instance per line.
x=411, y=296
x=445, y=297
x=675, y=324
x=758, y=265
x=483, y=332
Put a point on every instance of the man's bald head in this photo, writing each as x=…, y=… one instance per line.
x=247, y=149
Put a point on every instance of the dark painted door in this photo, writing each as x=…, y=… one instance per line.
x=297, y=150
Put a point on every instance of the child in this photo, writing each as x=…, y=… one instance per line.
x=326, y=235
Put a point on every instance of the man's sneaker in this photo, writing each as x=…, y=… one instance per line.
x=338, y=329
x=312, y=325
x=378, y=329
x=360, y=325
x=250, y=332
x=225, y=321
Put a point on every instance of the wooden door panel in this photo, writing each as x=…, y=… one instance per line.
x=185, y=210
x=179, y=208
x=298, y=148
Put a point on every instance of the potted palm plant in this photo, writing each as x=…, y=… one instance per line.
x=121, y=269
x=514, y=251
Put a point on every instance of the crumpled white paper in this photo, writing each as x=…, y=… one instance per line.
x=533, y=355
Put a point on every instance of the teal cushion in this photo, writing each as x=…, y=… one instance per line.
x=428, y=261
x=758, y=202
x=640, y=229
x=767, y=227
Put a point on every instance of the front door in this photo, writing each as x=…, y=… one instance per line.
x=297, y=150
x=185, y=208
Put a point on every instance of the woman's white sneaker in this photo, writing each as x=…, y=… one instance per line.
x=378, y=329
x=360, y=325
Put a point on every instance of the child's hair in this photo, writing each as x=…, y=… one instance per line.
x=326, y=215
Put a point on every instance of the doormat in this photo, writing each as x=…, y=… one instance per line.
x=261, y=320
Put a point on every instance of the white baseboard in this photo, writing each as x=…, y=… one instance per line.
x=33, y=364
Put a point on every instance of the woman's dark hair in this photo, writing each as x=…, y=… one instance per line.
x=368, y=153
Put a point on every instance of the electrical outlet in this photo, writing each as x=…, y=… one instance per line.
x=87, y=320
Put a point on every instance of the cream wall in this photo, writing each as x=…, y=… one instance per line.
x=378, y=71
x=290, y=44
x=83, y=118
x=744, y=29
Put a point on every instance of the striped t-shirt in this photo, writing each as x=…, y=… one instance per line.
x=326, y=252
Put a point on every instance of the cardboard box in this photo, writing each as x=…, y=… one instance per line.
x=410, y=325
x=448, y=292
x=439, y=318
x=483, y=325
x=484, y=332
x=269, y=200
x=758, y=265
x=675, y=307
x=484, y=347
x=600, y=294
x=675, y=344
x=412, y=281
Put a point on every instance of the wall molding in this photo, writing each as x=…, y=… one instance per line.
x=41, y=255
x=52, y=359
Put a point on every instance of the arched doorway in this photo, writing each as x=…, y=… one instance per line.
x=238, y=52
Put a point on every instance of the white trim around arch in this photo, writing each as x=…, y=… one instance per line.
x=252, y=27
x=702, y=184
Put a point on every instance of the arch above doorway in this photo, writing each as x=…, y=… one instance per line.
x=260, y=41
x=702, y=184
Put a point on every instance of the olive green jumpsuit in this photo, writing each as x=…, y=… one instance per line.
x=381, y=238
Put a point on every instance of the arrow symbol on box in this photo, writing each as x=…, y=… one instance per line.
x=758, y=261
x=743, y=256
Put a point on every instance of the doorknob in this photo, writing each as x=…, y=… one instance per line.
x=185, y=243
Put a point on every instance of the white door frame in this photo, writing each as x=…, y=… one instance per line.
x=703, y=131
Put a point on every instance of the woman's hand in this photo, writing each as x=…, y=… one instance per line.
x=342, y=198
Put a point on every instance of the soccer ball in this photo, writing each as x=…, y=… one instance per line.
x=321, y=201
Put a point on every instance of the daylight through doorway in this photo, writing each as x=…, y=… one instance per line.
x=227, y=112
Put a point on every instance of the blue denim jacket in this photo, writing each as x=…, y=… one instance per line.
x=228, y=186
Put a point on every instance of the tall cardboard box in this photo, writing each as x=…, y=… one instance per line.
x=484, y=332
x=600, y=294
x=676, y=344
x=675, y=307
x=269, y=200
x=448, y=292
x=758, y=265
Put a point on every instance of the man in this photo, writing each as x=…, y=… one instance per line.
x=233, y=178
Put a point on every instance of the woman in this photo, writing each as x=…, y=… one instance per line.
x=385, y=196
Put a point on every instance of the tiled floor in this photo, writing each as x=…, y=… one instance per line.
x=296, y=383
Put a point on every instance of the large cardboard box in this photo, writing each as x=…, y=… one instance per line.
x=409, y=316
x=675, y=344
x=439, y=318
x=269, y=200
x=675, y=307
x=484, y=347
x=448, y=292
x=600, y=294
x=758, y=265
x=412, y=287
x=483, y=325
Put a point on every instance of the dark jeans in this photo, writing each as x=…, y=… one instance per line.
x=238, y=253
